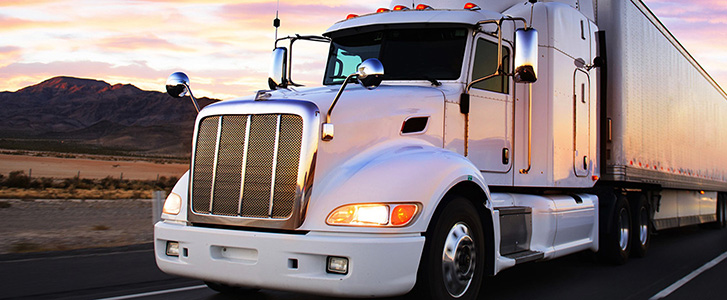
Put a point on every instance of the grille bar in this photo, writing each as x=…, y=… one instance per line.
x=244, y=164
x=214, y=164
x=274, y=169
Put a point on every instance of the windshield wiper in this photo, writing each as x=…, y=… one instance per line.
x=433, y=81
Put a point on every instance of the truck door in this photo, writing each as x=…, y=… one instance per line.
x=491, y=109
x=581, y=122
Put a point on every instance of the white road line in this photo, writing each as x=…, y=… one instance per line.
x=665, y=292
x=74, y=256
x=156, y=293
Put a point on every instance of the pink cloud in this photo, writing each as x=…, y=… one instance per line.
x=147, y=41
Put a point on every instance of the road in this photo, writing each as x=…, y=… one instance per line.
x=130, y=273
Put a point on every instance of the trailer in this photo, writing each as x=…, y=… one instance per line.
x=450, y=141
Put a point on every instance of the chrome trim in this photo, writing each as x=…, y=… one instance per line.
x=275, y=166
x=214, y=162
x=311, y=116
x=244, y=162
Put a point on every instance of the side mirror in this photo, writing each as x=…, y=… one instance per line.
x=278, y=70
x=178, y=87
x=177, y=84
x=370, y=73
x=526, y=55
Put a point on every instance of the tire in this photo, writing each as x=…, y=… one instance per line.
x=721, y=212
x=228, y=289
x=640, y=225
x=453, y=261
x=616, y=242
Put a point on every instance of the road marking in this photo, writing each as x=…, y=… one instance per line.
x=75, y=256
x=665, y=292
x=156, y=293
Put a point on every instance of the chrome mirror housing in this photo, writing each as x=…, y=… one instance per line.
x=370, y=73
x=277, y=76
x=178, y=87
x=177, y=84
x=526, y=55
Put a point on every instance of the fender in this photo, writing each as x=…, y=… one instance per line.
x=404, y=170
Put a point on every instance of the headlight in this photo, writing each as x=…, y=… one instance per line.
x=173, y=204
x=373, y=214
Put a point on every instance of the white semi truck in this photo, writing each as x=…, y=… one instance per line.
x=474, y=135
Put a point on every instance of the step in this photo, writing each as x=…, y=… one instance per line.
x=525, y=256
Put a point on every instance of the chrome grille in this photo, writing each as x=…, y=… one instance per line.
x=247, y=165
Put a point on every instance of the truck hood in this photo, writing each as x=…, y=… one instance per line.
x=365, y=121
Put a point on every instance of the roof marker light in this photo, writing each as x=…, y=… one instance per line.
x=471, y=6
x=400, y=7
x=380, y=10
x=423, y=7
x=350, y=16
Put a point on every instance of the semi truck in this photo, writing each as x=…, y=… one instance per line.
x=450, y=140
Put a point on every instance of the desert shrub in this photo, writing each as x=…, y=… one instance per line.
x=17, y=179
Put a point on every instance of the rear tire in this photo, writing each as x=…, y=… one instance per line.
x=616, y=243
x=721, y=212
x=641, y=225
x=453, y=261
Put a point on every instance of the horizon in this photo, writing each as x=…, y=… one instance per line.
x=224, y=47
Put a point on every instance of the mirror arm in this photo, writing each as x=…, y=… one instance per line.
x=194, y=100
x=338, y=95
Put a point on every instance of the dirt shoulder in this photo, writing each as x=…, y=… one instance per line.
x=57, y=224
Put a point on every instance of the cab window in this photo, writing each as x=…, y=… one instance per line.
x=485, y=65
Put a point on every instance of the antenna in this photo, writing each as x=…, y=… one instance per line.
x=276, y=22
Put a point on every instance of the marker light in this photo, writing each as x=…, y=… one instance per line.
x=400, y=7
x=471, y=6
x=373, y=214
x=350, y=16
x=173, y=204
x=423, y=7
x=403, y=213
x=380, y=10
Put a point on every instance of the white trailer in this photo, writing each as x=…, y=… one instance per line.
x=480, y=135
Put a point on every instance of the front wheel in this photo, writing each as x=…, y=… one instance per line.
x=453, y=261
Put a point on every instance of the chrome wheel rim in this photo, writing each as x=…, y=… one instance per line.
x=623, y=218
x=643, y=225
x=458, y=260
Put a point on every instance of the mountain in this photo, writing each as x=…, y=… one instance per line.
x=92, y=114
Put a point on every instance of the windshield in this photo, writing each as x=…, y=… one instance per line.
x=407, y=54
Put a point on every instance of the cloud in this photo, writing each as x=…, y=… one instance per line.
x=132, y=42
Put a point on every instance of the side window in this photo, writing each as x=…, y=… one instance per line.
x=485, y=64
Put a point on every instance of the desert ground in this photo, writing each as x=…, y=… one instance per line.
x=56, y=224
x=90, y=167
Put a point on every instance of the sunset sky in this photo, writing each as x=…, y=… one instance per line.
x=224, y=46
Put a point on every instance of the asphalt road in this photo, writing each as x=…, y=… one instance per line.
x=131, y=273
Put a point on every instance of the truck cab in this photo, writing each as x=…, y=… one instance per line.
x=446, y=143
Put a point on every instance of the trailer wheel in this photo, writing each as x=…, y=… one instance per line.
x=453, y=261
x=641, y=232
x=721, y=212
x=228, y=289
x=616, y=243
